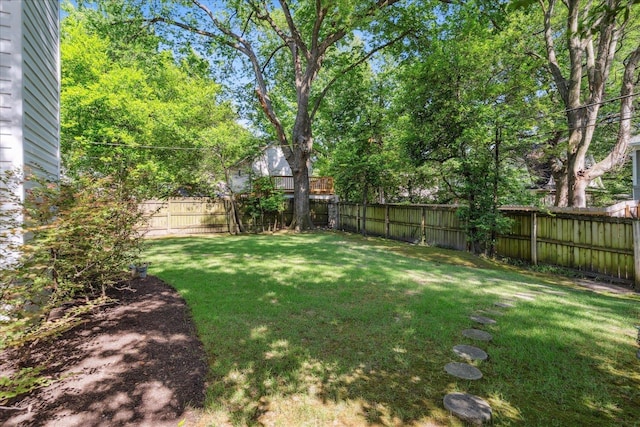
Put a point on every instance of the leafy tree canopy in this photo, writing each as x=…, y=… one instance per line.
x=130, y=108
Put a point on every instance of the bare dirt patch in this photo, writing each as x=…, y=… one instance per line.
x=137, y=362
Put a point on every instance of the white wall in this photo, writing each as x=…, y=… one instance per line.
x=270, y=162
x=30, y=87
x=41, y=85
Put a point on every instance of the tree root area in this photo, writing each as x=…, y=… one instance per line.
x=137, y=362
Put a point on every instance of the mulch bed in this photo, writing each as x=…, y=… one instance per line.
x=137, y=362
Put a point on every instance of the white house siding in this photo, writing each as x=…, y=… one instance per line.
x=10, y=85
x=270, y=162
x=30, y=86
x=41, y=95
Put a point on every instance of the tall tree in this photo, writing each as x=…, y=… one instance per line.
x=593, y=52
x=291, y=37
x=355, y=143
x=464, y=94
x=129, y=107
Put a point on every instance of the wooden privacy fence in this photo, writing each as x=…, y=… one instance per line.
x=435, y=225
x=187, y=216
x=191, y=215
x=571, y=238
x=584, y=239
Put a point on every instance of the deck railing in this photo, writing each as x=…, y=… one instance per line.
x=317, y=184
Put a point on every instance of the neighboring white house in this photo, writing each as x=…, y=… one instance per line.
x=269, y=162
x=272, y=162
x=30, y=87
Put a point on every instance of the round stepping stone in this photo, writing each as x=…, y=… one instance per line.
x=477, y=334
x=492, y=312
x=503, y=304
x=463, y=370
x=470, y=352
x=482, y=319
x=558, y=293
x=468, y=407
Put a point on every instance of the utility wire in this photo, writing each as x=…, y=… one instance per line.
x=617, y=98
x=150, y=147
x=602, y=122
x=537, y=135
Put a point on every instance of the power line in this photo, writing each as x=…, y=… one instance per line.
x=149, y=147
x=601, y=123
x=606, y=101
x=562, y=113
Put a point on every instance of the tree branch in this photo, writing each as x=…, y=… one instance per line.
x=180, y=25
x=556, y=72
x=352, y=66
x=320, y=15
x=264, y=67
x=619, y=151
x=243, y=45
x=295, y=33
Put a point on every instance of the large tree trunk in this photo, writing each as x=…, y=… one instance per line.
x=592, y=37
x=300, y=169
x=562, y=188
x=299, y=162
x=578, y=191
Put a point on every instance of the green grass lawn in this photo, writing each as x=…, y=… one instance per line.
x=335, y=329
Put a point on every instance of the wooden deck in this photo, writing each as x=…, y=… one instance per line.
x=318, y=184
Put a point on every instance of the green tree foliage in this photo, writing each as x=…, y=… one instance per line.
x=128, y=107
x=284, y=46
x=356, y=143
x=464, y=100
x=592, y=53
x=264, y=203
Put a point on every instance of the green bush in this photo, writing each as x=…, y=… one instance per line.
x=264, y=203
x=81, y=237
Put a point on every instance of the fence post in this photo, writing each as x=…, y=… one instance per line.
x=423, y=226
x=386, y=221
x=168, y=216
x=358, y=219
x=636, y=253
x=534, y=238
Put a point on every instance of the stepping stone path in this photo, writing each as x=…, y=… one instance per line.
x=503, y=304
x=463, y=370
x=468, y=407
x=470, y=352
x=554, y=292
x=477, y=334
x=527, y=297
x=483, y=320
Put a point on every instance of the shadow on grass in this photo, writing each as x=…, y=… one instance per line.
x=330, y=328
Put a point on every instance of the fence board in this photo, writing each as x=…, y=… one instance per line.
x=585, y=241
x=588, y=242
x=199, y=215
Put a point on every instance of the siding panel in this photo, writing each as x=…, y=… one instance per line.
x=41, y=88
x=10, y=85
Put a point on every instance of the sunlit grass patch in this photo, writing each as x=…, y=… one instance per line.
x=335, y=329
